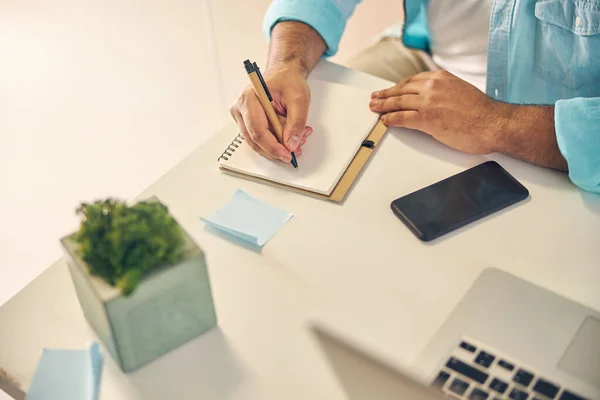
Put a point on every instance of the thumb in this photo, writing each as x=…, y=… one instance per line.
x=297, y=113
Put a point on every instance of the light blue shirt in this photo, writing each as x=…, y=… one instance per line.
x=540, y=52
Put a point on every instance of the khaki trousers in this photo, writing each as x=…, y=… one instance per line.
x=391, y=60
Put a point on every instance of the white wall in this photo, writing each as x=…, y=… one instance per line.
x=97, y=98
x=100, y=98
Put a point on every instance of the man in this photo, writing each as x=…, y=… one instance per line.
x=538, y=62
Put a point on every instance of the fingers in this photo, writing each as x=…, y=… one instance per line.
x=379, y=94
x=403, y=119
x=254, y=126
x=297, y=113
x=307, y=132
x=240, y=121
x=257, y=127
x=237, y=116
x=410, y=85
x=396, y=103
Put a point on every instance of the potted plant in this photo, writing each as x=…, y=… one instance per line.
x=141, y=281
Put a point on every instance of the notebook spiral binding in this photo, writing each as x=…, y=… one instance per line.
x=235, y=143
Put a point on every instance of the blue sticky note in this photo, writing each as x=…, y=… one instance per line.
x=248, y=219
x=67, y=375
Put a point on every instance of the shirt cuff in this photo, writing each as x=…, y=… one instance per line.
x=578, y=136
x=323, y=16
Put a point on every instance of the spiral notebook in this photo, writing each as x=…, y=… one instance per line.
x=341, y=119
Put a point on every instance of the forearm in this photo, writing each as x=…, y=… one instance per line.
x=528, y=134
x=295, y=45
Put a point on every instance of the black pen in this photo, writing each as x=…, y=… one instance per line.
x=263, y=94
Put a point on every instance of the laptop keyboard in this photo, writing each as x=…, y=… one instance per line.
x=474, y=373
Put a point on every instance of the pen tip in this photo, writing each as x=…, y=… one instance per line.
x=294, y=162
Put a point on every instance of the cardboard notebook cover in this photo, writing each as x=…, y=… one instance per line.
x=348, y=177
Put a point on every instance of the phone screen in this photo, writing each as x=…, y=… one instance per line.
x=458, y=200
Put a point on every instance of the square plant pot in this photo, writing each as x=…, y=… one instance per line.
x=169, y=307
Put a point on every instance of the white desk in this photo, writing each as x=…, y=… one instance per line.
x=353, y=265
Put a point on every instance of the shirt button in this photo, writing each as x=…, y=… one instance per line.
x=577, y=21
x=496, y=92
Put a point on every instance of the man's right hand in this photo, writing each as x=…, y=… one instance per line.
x=294, y=51
x=291, y=100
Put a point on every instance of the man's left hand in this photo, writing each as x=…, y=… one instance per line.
x=451, y=110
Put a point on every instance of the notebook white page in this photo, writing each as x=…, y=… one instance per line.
x=341, y=119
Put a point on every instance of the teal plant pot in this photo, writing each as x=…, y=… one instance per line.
x=168, y=308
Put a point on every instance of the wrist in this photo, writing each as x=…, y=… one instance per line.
x=287, y=69
x=501, y=125
x=295, y=47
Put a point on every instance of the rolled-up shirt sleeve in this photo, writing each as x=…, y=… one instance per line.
x=327, y=17
x=577, y=124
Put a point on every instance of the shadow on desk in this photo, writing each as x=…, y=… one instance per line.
x=427, y=145
x=204, y=368
x=591, y=201
x=233, y=239
x=522, y=170
x=9, y=386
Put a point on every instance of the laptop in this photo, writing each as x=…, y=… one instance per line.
x=506, y=339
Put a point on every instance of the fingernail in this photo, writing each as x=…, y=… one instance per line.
x=293, y=142
x=374, y=103
x=286, y=158
x=374, y=94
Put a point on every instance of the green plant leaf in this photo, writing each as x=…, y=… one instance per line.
x=122, y=243
x=129, y=281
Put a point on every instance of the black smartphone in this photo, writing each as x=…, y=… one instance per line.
x=458, y=200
